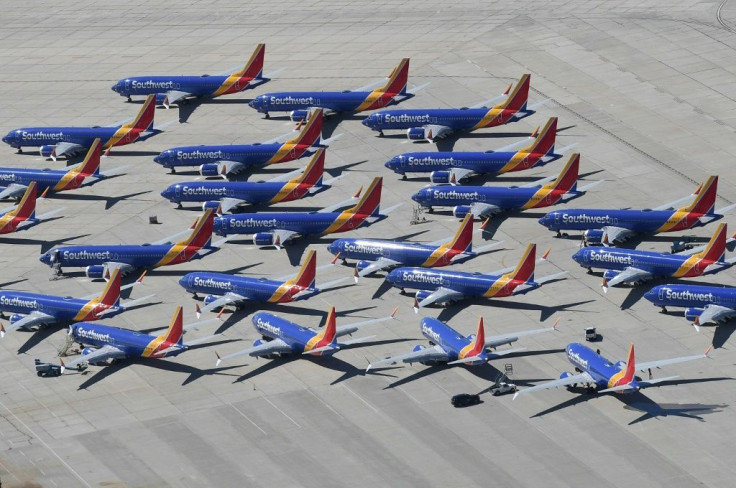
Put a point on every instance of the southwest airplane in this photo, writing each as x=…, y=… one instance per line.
x=379, y=254
x=170, y=89
x=449, y=346
x=485, y=201
x=603, y=376
x=34, y=309
x=225, y=289
x=276, y=228
x=115, y=343
x=431, y=124
x=606, y=227
x=23, y=216
x=225, y=195
x=14, y=182
x=101, y=260
x=282, y=337
x=222, y=160
x=445, y=287
x=54, y=142
x=454, y=166
x=634, y=266
x=370, y=97
x=703, y=304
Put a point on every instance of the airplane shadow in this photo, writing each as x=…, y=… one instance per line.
x=109, y=201
x=330, y=123
x=447, y=144
x=130, y=153
x=722, y=333
x=37, y=337
x=544, y=311
x=189, y=105
x=44, y=243
x=8, y=283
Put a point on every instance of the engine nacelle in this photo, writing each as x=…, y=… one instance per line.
x=162, y=99
x=46, y=151
x=87, y=351
x=418, y=348
x=15, y=318
x=211, y=205
x=299, y=115
x=610, y=274
x=564, y=375
x=593, y=237
x=212, y=169
x=460, y=211
x=692, y=313
x=422, y=294
x=258, y=342
x=263, y=239
x=416, y=134
x=95, y=272
x=439, y=177
x=361, y=265
x=210, y=298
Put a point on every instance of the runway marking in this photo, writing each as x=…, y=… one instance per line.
x=282, y=412
x=325, y=403
x=407, y=394
x=248, y=419
x=360, y=398
x=77, y=475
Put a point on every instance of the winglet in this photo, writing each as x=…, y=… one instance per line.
x=604, y=285
x=554, y=326
x=199, y=310
x=334, y=260
x=535, y=133
x=485, y=224
x=546, y=253
x=63, y=366
x=356, y=275
x=219, y=359
x=416, y=305
x=508, y=89
x=696, y=323
x=2, y=330
x=219, y=314
x=45, y=192
x=357, y=194
x=393, y=314
x=707, y=351
x=143, y=275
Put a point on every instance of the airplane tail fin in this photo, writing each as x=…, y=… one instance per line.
x=479, y=343
x=201, y=235
x=568, y=177
x=519, y=96
x=175, y=332
x=628, y=376
x=398, y=79
x=716, y=247
x=314, y=171
x=463, y=239
x=311, y=133
x=26, y=208
x=111, y=294
x=329, y=333
x=308, y=271
x=144, y=120
x=91, y=164
x=254, y=67
x=705, y=200
x=524, y=271
x=544, y=143
x=371, y=201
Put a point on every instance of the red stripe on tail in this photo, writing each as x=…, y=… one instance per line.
x=330, y=330
x=27, y=204
x=202, y=233
x=144, y=119
x=254, y=66
x=315, y=169
x=479, y=343
x=307, y=273
x=705, y=201
x=312, y=131
x=111, y=294
x=716, y=247
x=628, y=376
x=371, y=201
x=463, y=240
x=91, y=163
x=398, y=79
x=519, y=96
x=545, y=141
x=568, y=178
x=175, y=331
x=524, y=271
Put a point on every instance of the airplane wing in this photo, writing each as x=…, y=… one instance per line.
x=346, y=203
x=671, y=205
x=174, y=96
x=225, y=299
x=284, y=177
x=458, y=174
x=537, y=183
x=355, y=326
x=275, y=346
x=497, y=340
x=628, y=275
x=378, y=265
x=63, y=148
x=435, y=353
x=530, y=285
x=665, y=362
x=228, y=203
x=48, y=215
x=440, y=295
x=491, y=101
x=616, y=234
x=481, y=210
x=435, y=131
x=98, y=355
x=569, y=380
x=715, y=314
x=30, y=320
x=13, y=190
x=280, y=236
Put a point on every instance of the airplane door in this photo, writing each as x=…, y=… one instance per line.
x=662, y=293
x=177, y=191
x=127, y=85
x=557, y=218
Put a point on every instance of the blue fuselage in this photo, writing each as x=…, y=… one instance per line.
x=131, y=342
x=657, y=264
x=640, y=221
x=146, y=85
x=249, y=154
x=61, y=308
x=446, y=337
x=295, y=335
x=254, y=289
x=138, y=256
x=204, y=191
x=687, y=296
x=426, y=162
x=598, y=367
x=45, y=178
x=502, y=197
x=468, y=284
x=406, y=253
x=457, y=119
x=345, y=101
x=304, y=223
x=46, y=136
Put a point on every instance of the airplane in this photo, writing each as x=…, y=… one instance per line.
x=99, y=261
x=277, y=228
x=603, y=376
x=635, y=266
x=14, y=182
x=223, y=289
x=35, y=309
x=449, y=346
x=431, y=124
x=54, y=142
x=455, y=166
x=703, y=304
x=445, y=287
x=282, y=337
x=485, y=201
x=370, y=97
x=223, y=196
x=223, y=160
x=113, y=343
x=170, y=89
x=602, y=226
x=23, y=216
x=379, y=254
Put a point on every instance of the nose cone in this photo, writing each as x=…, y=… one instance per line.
x=6, y=139
x=420, y=196
x=368, y=121
x=545, y=220
x=393, y=276
x=333, y=247
x=45, y=258
x=183, y=281
x=168, y=193
x=652, y=294
x=392, y=164
x=578, y=256
x=116, y=87
x=258, y=102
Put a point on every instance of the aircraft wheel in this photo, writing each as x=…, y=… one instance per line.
x=39, y=374
x=20, y=150
x=403, y=177
x=380, y=133
x=664, y=310
x=267, y=115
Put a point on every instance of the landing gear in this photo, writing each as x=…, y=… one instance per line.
x=430, y=210
x=590, y=270
x=20, y=150
x=664, y=310
x=179, y=205
x=380, y=133
x=267, y=115
x=403, y=177
x=173, y=170
x=559, y=234
x=195, y=296
x=130, y=100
